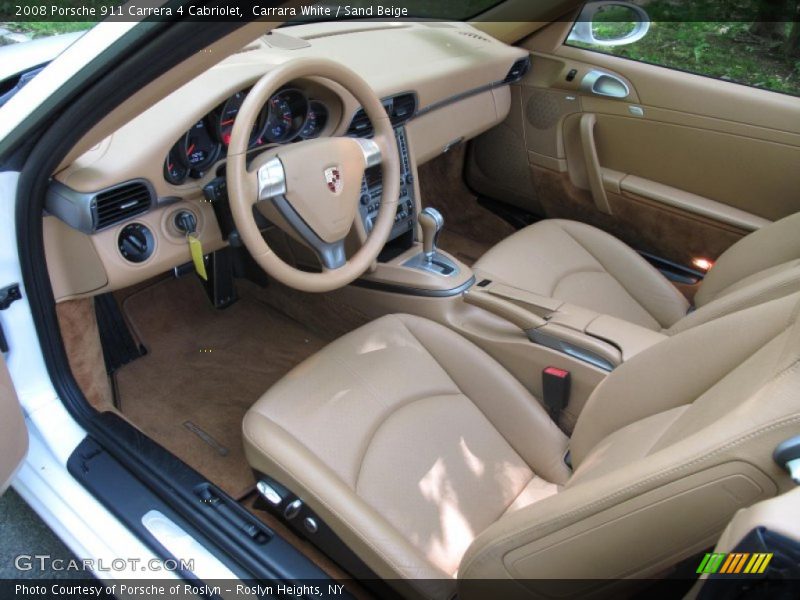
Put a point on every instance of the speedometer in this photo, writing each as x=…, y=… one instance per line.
x=227, y=117
x=286, y=114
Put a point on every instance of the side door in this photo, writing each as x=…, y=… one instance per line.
x=13, y=433
x=676, y=163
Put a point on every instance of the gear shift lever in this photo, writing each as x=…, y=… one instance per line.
x=430, y=260
x=432, y=222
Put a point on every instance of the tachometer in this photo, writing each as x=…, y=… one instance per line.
x=199, y=147
x=315, y=121
x=286, y=114
x=175, y=169
x=228, y=116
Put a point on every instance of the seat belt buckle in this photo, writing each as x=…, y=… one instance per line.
x=555, y=389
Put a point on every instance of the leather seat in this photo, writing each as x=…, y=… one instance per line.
x=431, y=462
x=582, y=265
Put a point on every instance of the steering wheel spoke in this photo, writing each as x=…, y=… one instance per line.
x=271, y=179
x=331, y=254
x=371, y=150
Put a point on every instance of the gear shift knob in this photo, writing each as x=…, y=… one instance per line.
x=431, y=221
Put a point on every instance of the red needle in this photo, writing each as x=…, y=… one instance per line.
x=190, y=150
x=169, y=167
x=228, y=122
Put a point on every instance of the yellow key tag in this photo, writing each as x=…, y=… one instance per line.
x=196, y=248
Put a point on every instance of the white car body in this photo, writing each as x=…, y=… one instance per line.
x=90, y=530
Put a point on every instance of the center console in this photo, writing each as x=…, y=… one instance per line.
x=372, y=187
x=410, y=264
x=602, y=341
x=528, y=334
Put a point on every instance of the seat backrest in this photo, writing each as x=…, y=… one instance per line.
x=667, y=449
x=760, y=267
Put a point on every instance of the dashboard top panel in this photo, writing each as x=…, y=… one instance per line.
x=437, y=61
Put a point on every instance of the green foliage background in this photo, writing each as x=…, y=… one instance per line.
x=727, y=50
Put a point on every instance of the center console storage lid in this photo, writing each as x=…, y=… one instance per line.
x=537, y=304
x=628, y=337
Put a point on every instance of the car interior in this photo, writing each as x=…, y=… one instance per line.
x=438, y=301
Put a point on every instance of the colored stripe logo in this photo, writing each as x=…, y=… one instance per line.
x=733, y=563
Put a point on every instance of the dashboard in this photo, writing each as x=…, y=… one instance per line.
x=114, y=203
x=289, y=115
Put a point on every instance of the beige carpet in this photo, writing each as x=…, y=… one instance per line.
x=470, y=229
x=206, y=367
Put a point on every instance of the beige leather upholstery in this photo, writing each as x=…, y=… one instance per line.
x=583, y=265
x=761, y=266
x=431, y=461
x=777, y=514
x=409, y=441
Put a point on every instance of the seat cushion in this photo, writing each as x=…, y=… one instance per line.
x=585, y=266
x=408, y=441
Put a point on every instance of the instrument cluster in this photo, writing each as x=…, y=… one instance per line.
x=288, y=116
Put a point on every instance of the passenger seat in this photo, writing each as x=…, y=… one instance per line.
x=582, y=265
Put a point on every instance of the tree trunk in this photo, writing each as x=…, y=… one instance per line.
x=771, y=19
x=769, y=30
x=791, y=47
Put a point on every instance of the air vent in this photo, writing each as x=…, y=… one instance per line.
x=518, y=70
x=360, y=126
x=400, y=109
x=120, y=203
x=403, y=108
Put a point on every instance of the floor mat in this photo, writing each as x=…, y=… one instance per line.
x=204, y=369
x=469, y=228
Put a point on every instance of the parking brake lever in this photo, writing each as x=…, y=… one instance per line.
x=522, y=318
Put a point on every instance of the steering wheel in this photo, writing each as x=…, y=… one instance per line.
x=315, y=185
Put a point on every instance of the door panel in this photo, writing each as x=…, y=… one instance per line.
x=747, y=173
x=685, y=164
x=13, y=433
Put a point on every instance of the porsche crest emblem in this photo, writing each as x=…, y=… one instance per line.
x=333, y=177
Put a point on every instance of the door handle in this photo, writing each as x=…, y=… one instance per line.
x=592, y=163
x=604, y=84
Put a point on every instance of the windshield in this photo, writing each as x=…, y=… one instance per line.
x=27, y=46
